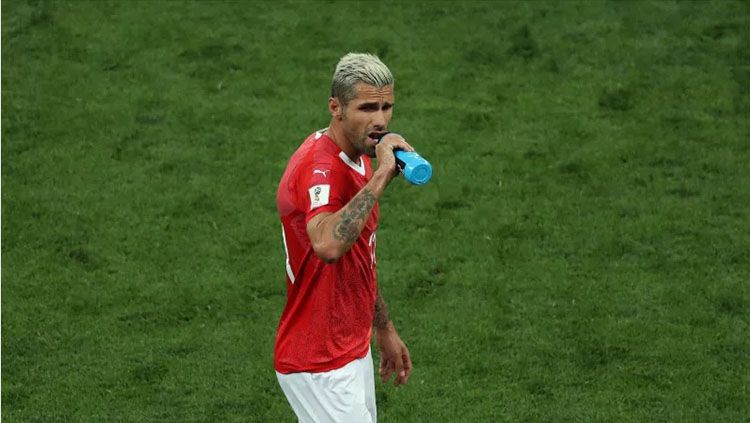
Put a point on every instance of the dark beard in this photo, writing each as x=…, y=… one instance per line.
x=362, y=148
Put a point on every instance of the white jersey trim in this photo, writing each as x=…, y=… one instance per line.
x=289, y=271
x=360, y=168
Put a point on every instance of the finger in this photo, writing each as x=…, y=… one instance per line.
x=386, y=371
x=400, y=373
x=406, y=146
x=402, y=145
x=392, y=137
x=407, y=365
x=399, y=142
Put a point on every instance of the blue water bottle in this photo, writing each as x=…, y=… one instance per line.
x=415, y=169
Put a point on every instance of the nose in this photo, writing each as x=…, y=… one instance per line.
x=380, y=121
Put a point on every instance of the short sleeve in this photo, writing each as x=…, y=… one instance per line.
x=320, y=189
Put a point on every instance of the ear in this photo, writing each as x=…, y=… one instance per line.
x=335, y=108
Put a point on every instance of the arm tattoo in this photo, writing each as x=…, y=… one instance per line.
x=381, y=313
x=347, y=230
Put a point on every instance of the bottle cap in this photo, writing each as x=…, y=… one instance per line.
x=416, y=170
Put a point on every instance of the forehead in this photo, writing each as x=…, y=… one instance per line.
x=370, y=93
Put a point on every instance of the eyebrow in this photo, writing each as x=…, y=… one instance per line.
x=374, y=105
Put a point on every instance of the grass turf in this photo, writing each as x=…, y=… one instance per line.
x=581, y=253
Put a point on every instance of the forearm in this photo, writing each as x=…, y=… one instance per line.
x=339, y=231
x=381, y=319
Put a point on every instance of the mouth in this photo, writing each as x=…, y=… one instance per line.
x=375, y=136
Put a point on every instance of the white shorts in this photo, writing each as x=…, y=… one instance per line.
x=346, y=394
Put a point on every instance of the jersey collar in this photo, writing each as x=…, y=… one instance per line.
x=358, y=167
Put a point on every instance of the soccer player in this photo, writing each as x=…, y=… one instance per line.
x=328, y=204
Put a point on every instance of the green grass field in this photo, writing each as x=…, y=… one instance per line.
x=581, y=254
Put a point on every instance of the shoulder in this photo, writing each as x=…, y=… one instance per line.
x=310, y=153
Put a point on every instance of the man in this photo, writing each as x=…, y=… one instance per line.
x=327, y=200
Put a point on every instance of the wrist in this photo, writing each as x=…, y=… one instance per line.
x=387, y=327
x=379, y=181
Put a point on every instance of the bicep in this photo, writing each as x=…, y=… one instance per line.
x=316, y=227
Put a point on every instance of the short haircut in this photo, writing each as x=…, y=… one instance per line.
x=358, y=67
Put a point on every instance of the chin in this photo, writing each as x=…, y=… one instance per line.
x=368, y=147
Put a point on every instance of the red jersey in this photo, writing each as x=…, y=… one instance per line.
x=327, y=319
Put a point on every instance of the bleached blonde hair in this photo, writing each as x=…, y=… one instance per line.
x=358, y=67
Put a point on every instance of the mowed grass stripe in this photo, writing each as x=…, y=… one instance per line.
x=580, y=254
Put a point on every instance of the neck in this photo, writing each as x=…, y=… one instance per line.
x=336, y=133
